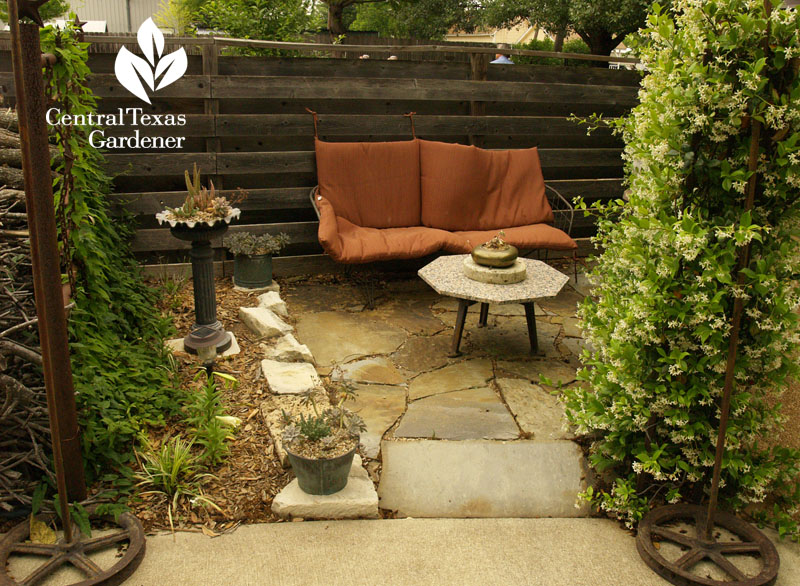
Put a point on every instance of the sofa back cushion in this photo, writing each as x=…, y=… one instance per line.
x=467, y=188
x=371, y=184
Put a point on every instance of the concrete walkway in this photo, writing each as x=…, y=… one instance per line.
x=418, y=552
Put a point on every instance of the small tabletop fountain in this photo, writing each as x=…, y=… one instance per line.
x=202, y=218
x=495, y=262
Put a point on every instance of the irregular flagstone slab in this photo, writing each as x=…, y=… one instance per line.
x=272, y=410
x=571, y=328
x=177, y=345
x=564, y=304
x=482, y=478
x=423, y=353
x=334, y=337
x=288, y=349
x=582, y=286
x=460, y=415
x=509, y=338
x=455, y=377
x=537, y=411
x=357, y=500
x=576, y=345
x=448, y=318
x=263, y=323
x=554, y=370
x=451, y=304
x=379, y=406
x=290, y=378
x=272, y=301
x=412, y=314
x=378, y=370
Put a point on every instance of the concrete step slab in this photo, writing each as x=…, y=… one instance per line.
x=482, y=478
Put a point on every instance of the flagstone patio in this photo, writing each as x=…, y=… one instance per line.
x=475, y=436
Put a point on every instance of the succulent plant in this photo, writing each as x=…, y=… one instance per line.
x=248, y=244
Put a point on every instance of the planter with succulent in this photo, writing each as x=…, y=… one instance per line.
x=252, y=265
x=203, y=217
x=321, y=446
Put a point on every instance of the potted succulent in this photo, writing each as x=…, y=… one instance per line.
x=202, y=217
x=252, y=265
x=321, y=446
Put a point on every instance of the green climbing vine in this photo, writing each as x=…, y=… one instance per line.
x=124, y=380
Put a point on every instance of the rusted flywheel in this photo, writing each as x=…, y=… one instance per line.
x=127, y=530
x=672, y=541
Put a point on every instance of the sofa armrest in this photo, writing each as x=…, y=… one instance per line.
x=313, y=197
x=563, y=212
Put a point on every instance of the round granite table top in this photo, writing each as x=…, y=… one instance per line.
x=446, y=276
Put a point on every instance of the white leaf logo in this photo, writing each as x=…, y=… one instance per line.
x=134, y=73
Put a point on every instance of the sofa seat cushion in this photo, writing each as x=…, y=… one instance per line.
x=371, y=184
x=467, y=188
x=345, y=242
x=523, y=237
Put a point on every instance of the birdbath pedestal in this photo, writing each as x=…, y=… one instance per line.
x=207, y=331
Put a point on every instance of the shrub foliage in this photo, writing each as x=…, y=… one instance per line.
x=660, y=321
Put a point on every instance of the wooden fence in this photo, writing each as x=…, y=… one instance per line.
x=247, y=127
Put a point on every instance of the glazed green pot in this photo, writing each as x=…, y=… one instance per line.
x=322, y=476
x=252, y=272
x=491, y=257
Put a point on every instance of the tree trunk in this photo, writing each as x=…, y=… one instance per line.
x=558, y=43
x=336, y=20
x=600, y=42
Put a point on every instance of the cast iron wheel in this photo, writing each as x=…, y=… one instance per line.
x=682, y=528
x=127, y=529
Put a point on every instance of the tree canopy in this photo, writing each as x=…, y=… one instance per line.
x=602, y=24
x=257, y=19
x=49, y=11
x=422, y=19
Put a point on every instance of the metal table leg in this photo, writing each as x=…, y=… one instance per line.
x=530, y=317
x=484, y=315
x=463, y=304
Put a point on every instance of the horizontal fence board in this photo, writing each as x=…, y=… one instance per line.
x=336, y=124
x=300, y=161
x=150, y=203
x=561, y=74
x=106, y=85
x=160, y=239
x=310, y=67
x=422, y=89
x=197, y=125
x=159, y=164
x=257, y=105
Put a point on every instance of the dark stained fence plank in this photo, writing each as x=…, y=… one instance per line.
x=106, y=85
x=150, y=203
x=230, y=125
x=300, y=161
x=159, y=164
x=294, y=88
x=309, y=67
x=160, y=239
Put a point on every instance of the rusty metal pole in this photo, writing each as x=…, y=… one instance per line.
x=46, y=261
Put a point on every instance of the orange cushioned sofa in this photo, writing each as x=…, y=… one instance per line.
x=409, y=199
